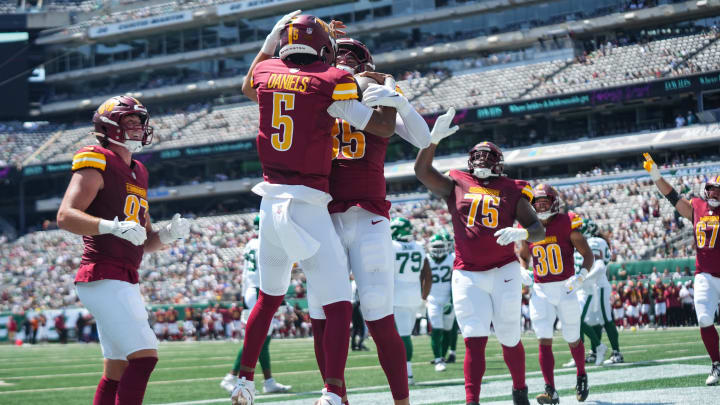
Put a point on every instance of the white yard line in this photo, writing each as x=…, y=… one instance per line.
x=500, y=385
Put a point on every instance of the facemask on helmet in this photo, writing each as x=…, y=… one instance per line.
x=486, y=160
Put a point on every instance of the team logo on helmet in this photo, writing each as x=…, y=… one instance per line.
x=307, y=34
x=108, y=122
x=713, y=182
x=401, y=229
x=486, y=160
x=544, y=210
x=440, y=245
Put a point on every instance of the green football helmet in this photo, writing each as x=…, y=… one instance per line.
x=401, y=229
x=589, y=228
x=256, y=223
x=438, y=247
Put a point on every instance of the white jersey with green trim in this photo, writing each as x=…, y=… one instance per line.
x=441, y=276
x=409, y=260
x=600, y=248
x=251, y=277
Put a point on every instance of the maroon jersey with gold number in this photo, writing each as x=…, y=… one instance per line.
x=553, y=256
x=358, y=171
x=294, y=142
x=123, y=195
x=479, y=208
x=706, y=220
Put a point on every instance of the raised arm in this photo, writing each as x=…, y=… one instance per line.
x=681, y=204
x=266, y=52
x=438, y=183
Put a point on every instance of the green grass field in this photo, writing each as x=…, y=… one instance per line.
x=663, y=367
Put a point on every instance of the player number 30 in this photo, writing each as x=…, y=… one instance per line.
x=548, y=258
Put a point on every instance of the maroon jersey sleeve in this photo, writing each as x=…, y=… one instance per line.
x=706, y=221
x=124, y=195
x=553, y=256
x=479, y=208
x=294, y=137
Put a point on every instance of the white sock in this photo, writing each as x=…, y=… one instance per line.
x=270, y=380
x=409, y=369
x=438, y=359
x=451, y=352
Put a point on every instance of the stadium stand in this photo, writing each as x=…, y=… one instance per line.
x=39, y=267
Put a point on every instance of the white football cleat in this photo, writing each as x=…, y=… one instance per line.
x=228, y=383
x=570, y=363
x=440, y=366
x=328, y=398
x=600, y=356
x=714, y=376
x=271, y=386
x=244, y=392
x=411, y=380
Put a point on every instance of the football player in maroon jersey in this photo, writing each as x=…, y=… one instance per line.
x=107, y=184
x=704, y=213
x=360, y=213
x=299, y=95
x=555, y=286
x=486, y=281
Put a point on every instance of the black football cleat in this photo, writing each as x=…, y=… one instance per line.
x=581, y=389
x=520, y=397
x=550, y=396
x=450, y=358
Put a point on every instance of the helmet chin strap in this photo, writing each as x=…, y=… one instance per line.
x=545, y=215
x=131, y=146
x=482, y=172
x=346, y=68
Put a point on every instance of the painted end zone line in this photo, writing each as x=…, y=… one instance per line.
x=498, y=385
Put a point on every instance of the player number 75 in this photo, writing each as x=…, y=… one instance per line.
x=489, y=211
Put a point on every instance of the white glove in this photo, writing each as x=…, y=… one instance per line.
x=442, y=128
x=651, y=167
x=178, y=228
x=575, y=282
x=376, y=95
x=131, y=231
x=526, y=277
x=273, y=37
x=509, y=235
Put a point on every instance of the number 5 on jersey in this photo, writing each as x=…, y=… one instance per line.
x=282, y=102
x=489, y=213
